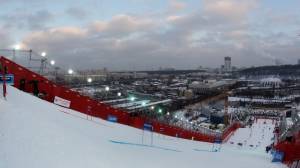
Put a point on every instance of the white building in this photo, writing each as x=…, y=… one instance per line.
x=210, y=85
x=271, y=82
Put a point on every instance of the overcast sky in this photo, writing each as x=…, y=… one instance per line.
x=148, y=34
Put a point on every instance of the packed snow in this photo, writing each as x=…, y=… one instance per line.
x=254, y=138
x=35, y=134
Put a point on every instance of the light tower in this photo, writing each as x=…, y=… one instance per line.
x=43, y=62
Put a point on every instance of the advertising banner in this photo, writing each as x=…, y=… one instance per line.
x=62, y=102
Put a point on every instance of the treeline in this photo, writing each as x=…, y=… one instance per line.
x=282, y=70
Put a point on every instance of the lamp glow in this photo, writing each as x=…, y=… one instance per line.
x=70, y=71
x=17, y=47
x=89, y=80
x=52, y=62
x=43, y=54
x=132, y=98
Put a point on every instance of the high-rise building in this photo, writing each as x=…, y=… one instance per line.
x=298, y=61
x=227, y=65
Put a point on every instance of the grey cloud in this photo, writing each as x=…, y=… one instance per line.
x=120, y=26
x=77, y=13
x=5, y=39
x=27, y=20
x=135, y=42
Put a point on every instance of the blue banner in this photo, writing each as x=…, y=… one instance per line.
x=9, y=78
x=148, y=127
x=112, y=118
x=278, y=156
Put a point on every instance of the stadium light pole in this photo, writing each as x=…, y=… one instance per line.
x=43, y=61
x=152, y=112
x=106, y=91
x=52, y=63
x=15, y=48
x=70, y=72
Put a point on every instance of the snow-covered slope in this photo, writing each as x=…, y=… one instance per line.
x=256, y=137
x=38, y=134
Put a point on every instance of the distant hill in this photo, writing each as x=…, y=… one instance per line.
x=282, y=70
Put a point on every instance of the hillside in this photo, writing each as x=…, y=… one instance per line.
x=35, y=134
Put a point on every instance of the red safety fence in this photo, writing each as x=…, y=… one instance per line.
x=95, y=108
x=291, y=149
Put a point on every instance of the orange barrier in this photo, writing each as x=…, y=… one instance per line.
x=95, y=108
